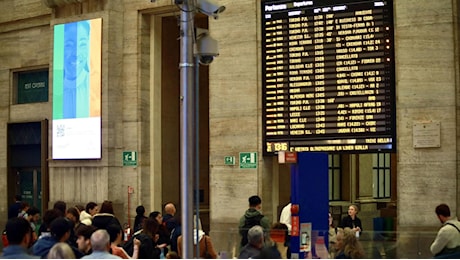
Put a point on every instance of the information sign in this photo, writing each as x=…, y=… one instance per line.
x=328, y=76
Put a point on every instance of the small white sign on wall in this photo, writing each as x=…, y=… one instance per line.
x=426, y=134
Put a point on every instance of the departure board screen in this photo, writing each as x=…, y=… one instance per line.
x=328, y=76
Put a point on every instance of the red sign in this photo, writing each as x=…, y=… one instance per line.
x=290, y=157
x=295, y=227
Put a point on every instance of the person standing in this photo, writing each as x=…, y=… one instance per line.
x=100, y=242
x=348, y=245
x=164, y=237
x=83, y=234
x=169, y=217
x=139, y=219
x=352, y=221
x=204, y=243
x=61, y=250
x=19, y=234
x=252, y=217
x=447, y=241
x=106, y=216
x=33, y=216
x=86, y=216
x=14, y=209
x=60, y=232
x=116, y=235
x=255, y=243
x=332, y=237
x=285, y=218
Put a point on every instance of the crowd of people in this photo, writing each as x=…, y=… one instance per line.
x=93, y=232
x=254, y=227
x=90, y=232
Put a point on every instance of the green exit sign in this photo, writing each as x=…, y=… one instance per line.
x=129, y=158
x=229, y=160
x=248, y=160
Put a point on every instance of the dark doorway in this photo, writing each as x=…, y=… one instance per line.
x=27, y=167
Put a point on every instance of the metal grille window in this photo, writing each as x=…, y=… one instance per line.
x=381, y=168
x=335, y=177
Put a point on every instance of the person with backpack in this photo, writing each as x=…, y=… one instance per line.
x=252, y=217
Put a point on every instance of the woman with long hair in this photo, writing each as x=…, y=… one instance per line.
x=348, y=245
x=148, y=237
x=106, y=216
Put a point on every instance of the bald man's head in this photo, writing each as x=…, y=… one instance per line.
x=170, y=209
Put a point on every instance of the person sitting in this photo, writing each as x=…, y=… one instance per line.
x=100, y=242
x=347, y=244
x=255, y=243
x=61, y=250
x=19, y=234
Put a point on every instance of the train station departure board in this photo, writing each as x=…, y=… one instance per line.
x=328, y=76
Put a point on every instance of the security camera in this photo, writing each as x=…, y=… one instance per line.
x=208, y=8
x=205, y=46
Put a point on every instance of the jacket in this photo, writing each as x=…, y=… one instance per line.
x=351, y=223
x=204, y=244
x=16, y=252
x=86, y=218
x=249, y=251
x=43, y=246
x=250, y=213
x=102, y=220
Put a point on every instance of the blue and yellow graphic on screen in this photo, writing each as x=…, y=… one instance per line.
x=77, y=90
x=76, y=69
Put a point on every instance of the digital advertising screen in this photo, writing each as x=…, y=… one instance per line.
x=77, y=90
x=328, y=73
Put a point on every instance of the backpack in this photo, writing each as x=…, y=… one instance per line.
x=248, y=224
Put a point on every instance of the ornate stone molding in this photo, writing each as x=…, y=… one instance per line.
x=56, y=3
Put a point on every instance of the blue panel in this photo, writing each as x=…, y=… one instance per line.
x=309, y=189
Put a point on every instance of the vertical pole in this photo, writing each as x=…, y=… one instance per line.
x=197, y=154
x=186, y=125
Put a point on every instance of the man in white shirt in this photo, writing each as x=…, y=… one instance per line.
x=285, y=218
x=447, y=242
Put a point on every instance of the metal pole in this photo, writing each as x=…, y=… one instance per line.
x=187, y=135
x=197, y=153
